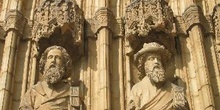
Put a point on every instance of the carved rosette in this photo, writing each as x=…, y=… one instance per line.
x=14, y=21
x=144, y=16
x=63, y=15
x=59, y=22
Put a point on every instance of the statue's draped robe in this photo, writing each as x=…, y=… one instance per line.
x=143, y=98
x=37, y=98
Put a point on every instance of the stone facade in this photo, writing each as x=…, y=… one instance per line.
x=102, y=37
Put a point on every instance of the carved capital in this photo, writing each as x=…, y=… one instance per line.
x=15, y=21
x=103, y=18
x=193, y=16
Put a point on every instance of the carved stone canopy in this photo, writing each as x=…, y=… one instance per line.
x=144, y=18
x=216, y=21
x=59, y=22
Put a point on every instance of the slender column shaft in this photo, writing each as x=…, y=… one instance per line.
x=104, y=88
x=7, y=69
x=201, y=68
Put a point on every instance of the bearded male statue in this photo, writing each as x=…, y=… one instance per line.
x=154, y=91
x=53, y=93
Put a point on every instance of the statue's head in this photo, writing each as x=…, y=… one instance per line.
x=150, y=61
x=55, y=64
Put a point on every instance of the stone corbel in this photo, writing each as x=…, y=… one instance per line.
x=14, y=21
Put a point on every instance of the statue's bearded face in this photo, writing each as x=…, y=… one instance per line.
x=54, y=69
x=154, y=68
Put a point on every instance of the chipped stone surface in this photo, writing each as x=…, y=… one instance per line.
x=102, y=37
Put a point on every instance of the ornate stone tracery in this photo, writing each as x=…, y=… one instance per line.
x=147, y=17
x=216, y=25
x=62, y=20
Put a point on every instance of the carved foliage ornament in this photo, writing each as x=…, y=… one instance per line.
x=63, y=15
x=216, y=21
x=144, y=16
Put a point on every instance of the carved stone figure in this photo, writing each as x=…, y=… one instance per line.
x=52, y=93
x=154, y=91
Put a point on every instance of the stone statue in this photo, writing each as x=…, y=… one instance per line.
x=154, y=91
x=53, y=93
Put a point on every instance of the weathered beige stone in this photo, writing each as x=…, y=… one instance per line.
x=53, y=92
x=103, y=36
x=155, y=91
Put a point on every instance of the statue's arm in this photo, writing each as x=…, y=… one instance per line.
x=132, y=100
x=26, y=101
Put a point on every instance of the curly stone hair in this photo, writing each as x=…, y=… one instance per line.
x=67, y=60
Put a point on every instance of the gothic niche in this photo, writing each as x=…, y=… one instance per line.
x=149, y=21
x=149, y=30
x=59, y=22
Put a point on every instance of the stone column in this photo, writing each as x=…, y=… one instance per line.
x=194, y=18
x=104, y=35
x=14, y=27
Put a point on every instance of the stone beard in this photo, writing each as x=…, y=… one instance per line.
x=53, y=74
x=157, y=74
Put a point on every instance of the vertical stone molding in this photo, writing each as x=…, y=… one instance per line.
x=14, y=25
x=194, y=22
x=103, y=19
